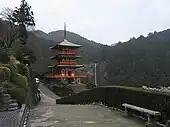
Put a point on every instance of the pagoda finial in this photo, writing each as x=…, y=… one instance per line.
x=64, y=30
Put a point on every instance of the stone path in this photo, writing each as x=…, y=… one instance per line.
x=9, y=119
x=48, y=114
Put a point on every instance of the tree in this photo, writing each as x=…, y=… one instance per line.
x=23, y=17
x=10, y=31
x=26, y=55
x=18, y=21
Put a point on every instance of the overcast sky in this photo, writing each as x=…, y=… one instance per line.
x=104, y=21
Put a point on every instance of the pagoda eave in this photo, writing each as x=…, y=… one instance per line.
x=59, y=46
x=65, y=43
x=64, y=56
x=69, y=66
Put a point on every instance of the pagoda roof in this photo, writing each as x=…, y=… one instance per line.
x=65, y=56
x=65, y=43
x=72, y=66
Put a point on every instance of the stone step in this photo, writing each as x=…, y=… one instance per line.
x=5, y=98
x=11, y=101
x=2, y=89
x=13, y=106
x=12, y=109
x=2, y=92
x=6, y=95
x=3, y=108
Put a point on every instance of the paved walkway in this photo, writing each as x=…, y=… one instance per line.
x=9, y=119
x=48, y=114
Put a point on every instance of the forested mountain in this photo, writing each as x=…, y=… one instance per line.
x=143, y=60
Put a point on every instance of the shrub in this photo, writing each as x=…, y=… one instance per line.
x=21, y=81
x=12, y=69
x=18, y=93
x=4, y=57
x=23, y=70
x=62, y=91
x=5, y=73
x=2, y=75
x=17, y=84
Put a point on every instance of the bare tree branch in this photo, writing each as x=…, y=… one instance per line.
x=6, y=14
x=10, y=32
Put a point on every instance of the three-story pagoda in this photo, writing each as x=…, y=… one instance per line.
x=66, y=61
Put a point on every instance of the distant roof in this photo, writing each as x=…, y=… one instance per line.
x=67, y=44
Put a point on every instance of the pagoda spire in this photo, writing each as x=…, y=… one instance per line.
x=64, y=30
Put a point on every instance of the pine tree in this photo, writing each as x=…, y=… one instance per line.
x=19, y=20
x=24, y=18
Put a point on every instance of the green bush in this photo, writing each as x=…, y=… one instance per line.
x=12, y=69
x=17, y=84
x=62, y=91
x=5, y=73
x=2, y=75
x=23, y=70
x=4, y=57
x=19, y=94
x=21, y=81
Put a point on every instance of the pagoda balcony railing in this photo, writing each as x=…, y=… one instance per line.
x=67, y=62
x=66, y=76
x=69, y=52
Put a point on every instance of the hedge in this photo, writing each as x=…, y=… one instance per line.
x=18, y=93
x=21, y=81
x=23, y=70
x=61, y=91
x=12, y=69
x=114, y=96
x=17, y=84
x=5, y=73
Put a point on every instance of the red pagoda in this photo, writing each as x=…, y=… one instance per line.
x=66, y=61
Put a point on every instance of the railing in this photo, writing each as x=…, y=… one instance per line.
x=69, y=52
x=67, y=62
x=66, y=76
x=23, y=116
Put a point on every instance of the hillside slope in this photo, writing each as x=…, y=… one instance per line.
x=144, y=60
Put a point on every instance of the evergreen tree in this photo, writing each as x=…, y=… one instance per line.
x=18, y=21
x=24, y=18
x=26, y=55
